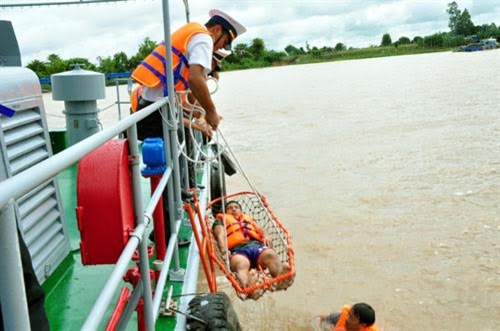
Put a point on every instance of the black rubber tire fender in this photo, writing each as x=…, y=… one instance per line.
x=217, y=185
x=229, y=166
x=216, y=310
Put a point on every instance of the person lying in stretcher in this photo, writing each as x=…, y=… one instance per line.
x=248, y=246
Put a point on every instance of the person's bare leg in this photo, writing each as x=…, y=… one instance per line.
x=241, y=266
x=269, y=259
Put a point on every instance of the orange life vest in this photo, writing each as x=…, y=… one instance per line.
x=340, y=326
x=136, y=93
x=134, y=98
x=151, y=71
x=240, y=231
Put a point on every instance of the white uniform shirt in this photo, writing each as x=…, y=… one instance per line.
x=198, y=51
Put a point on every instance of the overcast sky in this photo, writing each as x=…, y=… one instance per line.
x=92, y=30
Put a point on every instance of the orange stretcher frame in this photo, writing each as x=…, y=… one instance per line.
x=209, y=257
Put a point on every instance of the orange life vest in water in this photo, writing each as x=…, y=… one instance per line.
x=340, y=326
x=151, y=71
x=240, y=231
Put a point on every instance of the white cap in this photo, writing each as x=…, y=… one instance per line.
x=221, y=54
x=234, y=27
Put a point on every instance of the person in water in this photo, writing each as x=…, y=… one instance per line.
x=247, y=244
x=358, y=317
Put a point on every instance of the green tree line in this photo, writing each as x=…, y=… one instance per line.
x=256, y=54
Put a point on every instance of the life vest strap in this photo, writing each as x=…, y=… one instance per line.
x=181, y=56
x=154, y=71
x=177, y=71
x=159, y=56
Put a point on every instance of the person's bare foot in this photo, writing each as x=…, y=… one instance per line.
x=284, y=284
x=255, y=295
x=253, y=278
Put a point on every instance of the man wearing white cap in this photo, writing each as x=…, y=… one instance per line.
x=192, y=48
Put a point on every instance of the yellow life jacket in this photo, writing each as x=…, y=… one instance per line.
x=340, y=326
x=240, y=231
x=151, y=71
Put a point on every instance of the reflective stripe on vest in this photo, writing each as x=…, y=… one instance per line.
x=151, y=71
x=177, y=70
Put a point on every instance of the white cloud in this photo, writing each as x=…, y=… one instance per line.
x=93, y=30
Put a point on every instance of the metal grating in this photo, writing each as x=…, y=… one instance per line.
x=24, y=141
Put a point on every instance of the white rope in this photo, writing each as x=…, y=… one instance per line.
x=208, y=157
x=216, y=82
x=218, y=137
x=172, y=114
x=253, y=187
x=239, y=167
x=190, y=109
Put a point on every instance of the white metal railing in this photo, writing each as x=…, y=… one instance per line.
x=30, y=178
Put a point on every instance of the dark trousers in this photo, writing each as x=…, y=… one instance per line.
x=149, y=127
x=34, y=292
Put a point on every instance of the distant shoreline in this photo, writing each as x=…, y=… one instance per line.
x=350, y=54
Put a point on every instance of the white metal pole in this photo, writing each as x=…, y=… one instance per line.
x=170, y=134
x=12, y=292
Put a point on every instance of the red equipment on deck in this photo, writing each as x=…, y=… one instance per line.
x=104, y=209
